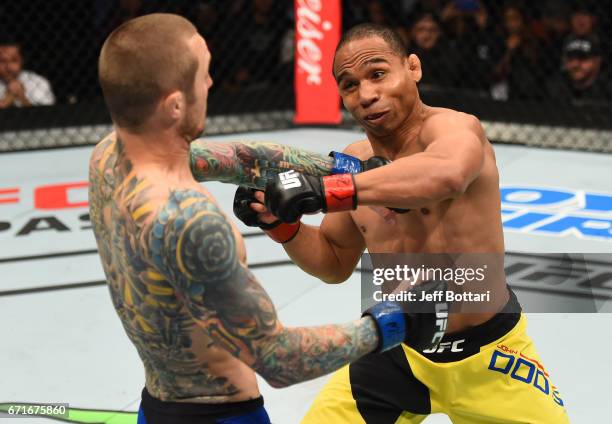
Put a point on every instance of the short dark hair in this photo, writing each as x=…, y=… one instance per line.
x=368, y=30
x=583, y=7
x=418, y=17
x=9, y=40
x=141, y=61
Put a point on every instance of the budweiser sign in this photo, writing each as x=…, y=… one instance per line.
x=317, y=29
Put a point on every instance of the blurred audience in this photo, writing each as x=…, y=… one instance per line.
x=587, y=18
x=377, y=14
x=259, y=36
x=382, y=12
x=520, y=50
x=468, y=29
x=517, y=69
x=111, y=14
x=583, y=20
x=551, y=27
x=426, y=41
x=583, y=79
x=207, y=19
x=19, y=87
x=354, y=12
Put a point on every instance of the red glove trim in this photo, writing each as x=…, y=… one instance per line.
x=283, y=232
x=340, y=193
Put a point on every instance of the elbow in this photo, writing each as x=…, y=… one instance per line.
x=332, y=279
x=273, y=363
x=455, y=184
x=278, y=378
x=334, y=271
x=277, y=383
x=340, y=276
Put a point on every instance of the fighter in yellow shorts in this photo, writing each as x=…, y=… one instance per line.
x=439, y=194
x=490, y=373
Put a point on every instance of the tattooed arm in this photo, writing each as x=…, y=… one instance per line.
x=249, y=163
x=226, y=300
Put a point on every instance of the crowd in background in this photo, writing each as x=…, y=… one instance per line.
x=544, y=50
x=549, y=50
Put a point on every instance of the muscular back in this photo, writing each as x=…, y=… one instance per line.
x=177, y=275
x=137, y=222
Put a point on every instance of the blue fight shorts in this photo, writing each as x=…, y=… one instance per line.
x=155, y=411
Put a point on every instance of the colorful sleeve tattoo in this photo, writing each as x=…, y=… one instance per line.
x=199, y=252
x=250, y=163
x=179, y=287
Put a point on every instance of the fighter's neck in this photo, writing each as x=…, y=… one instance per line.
x=159, y=153
x=400, y=141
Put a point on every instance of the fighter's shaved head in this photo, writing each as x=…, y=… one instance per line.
x=143, y=60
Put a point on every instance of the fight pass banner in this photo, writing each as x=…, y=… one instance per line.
x=317, y=31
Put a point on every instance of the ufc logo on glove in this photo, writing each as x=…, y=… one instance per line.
x=289, y=180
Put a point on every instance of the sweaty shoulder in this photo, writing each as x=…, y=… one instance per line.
x=360, y=149
x=442, y=122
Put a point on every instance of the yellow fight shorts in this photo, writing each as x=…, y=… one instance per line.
x=490, y=373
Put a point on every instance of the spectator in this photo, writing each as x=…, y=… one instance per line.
x=208, y=23
x=468, y=29
x=111, y=14
x=516, y=71
x=583, y=20
x=377, y=14
x=587, y=18
x=433, y=6
x=354, y=12
x=427, y=43
x=381, y=14
x=206, y=20
x=582, y=80
x=18, y=87
x=260, y=38
x=553, y=30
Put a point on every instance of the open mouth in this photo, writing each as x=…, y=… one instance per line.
x=375, y=117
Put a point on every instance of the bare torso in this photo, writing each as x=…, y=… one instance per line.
x=127, y=207
x=468, y=224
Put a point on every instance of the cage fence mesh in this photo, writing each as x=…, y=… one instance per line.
x=536, y=73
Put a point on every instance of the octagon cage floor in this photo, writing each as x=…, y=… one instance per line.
x=62, y=341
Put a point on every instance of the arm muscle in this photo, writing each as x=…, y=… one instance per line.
x=226, y=300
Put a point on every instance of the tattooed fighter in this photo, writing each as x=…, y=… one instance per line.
x=485, y=368
x=175, y=264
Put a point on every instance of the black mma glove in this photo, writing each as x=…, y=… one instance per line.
x=291, y=194
x=278, y=231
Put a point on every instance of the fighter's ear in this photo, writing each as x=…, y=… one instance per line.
x=173, y=105
x=413, y=63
